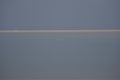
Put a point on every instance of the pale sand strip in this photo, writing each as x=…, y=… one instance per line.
x=34, y=31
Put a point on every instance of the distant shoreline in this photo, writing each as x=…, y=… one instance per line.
x=34, y=31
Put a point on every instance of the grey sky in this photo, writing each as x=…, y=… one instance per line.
x=59, y=14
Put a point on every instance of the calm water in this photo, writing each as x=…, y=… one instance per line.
x=87, y=56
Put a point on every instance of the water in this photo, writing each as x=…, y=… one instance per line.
x=59, y=56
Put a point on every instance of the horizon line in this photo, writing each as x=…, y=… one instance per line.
x=33, y=31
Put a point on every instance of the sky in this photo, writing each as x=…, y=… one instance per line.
x=59, y=14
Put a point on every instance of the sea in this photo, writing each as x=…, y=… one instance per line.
x=60, y=56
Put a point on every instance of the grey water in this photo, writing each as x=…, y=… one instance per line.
x=60, y=56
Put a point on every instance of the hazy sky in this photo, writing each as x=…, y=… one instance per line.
x=59, y=14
